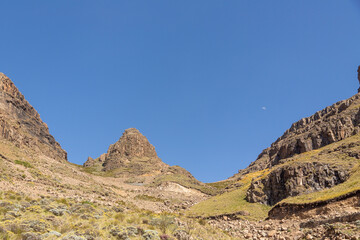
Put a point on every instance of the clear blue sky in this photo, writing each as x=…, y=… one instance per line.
x=210, y=83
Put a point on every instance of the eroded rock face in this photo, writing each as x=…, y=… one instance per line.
x=132, y=144
x=132, y=153
x=327, y=126
x=293, y=180
x=21, y=124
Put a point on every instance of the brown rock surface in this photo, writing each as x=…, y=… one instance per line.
x=21, y=124
x=132, y=154
x=329, y=125
x=293, y=180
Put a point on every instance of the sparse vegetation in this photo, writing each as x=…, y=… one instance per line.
x=23, y=163
x=80, y=219
x=234, y=201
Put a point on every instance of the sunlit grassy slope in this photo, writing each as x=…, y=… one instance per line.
x=232, y=202
x=335, y=154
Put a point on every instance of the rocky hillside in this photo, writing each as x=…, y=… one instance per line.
x=332, y=124
x=134, y=195
x=22, y=125
x=310, y=172
x=313, y=167
x=327, y=126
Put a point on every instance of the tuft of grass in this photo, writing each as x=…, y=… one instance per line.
x=63, y=201
x=120, y=217
x=23, y=163
x=87, y=202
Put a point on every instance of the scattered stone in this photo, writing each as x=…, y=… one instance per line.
x=151, y=235
x=181, y=235
x=30, y=236
x=58, y=211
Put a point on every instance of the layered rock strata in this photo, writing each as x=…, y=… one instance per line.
x=21, y=124
x=293, y=180
x=327, y=126
x=332, y=124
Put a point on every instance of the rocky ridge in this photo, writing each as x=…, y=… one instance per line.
x=21, y=124
x=332, y=124
x=327, y=126
x=290, y=176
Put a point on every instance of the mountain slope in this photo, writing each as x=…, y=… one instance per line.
x=327, y=126
x=315, y=163
x=129, y=193
x=22, y=125
x=133, y=157
x=312, y=177
x=33, y=163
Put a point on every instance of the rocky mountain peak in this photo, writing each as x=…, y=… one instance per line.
x=6, y=85
x=132, y=144
x=132, y=152
x=21, y=124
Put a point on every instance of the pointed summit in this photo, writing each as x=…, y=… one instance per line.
x=131, y=154
x=132, y=144
x=21, y=124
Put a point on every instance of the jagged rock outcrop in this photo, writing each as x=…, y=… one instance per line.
x=132, y=153
x=21, y=124
x=293, y=180
x=327, y=126
x=90, y=162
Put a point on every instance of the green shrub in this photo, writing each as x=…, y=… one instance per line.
x=120, y=217
x=23, y=163
x=164, y=222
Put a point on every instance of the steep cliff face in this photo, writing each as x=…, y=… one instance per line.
x=21, y=124
x=132, y=153
x=293, y=180
x=327, y=126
